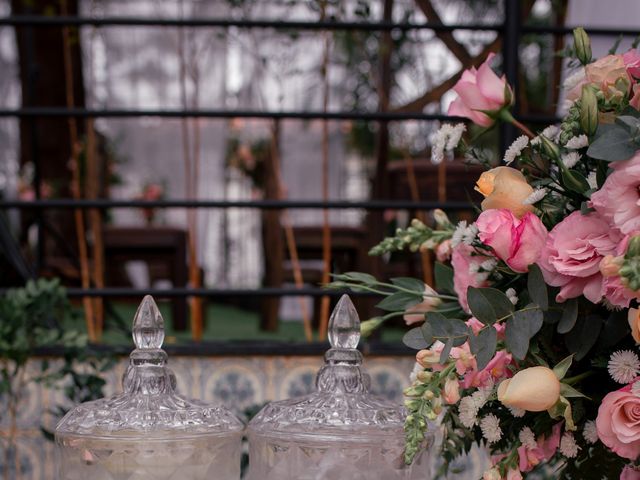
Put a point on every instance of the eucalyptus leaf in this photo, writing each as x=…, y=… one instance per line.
x=584, y=335
x=483, y=345
x=537, y=287
x=615, y=328
x=415, y=339
x=569, y=316
x=489, y=304
x=520, y=328
x=399, y=301
x=614, y=143
x=409, y=283
x=443, y=328
x=444, y=277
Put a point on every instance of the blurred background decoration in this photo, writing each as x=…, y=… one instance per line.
x=200, y=142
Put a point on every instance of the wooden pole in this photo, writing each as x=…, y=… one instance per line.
x=75, y=180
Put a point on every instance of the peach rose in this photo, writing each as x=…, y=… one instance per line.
x=416, y=313
x=634, y=323
x=534, y=389
x=505, y=187
x=618, y=422
x=480, y=90
x=609, y=73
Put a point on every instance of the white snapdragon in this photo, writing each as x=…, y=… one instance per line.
x=535, y=196
x=515, y=149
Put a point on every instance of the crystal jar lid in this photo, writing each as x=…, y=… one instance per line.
x=341, y=406
x=149, y=406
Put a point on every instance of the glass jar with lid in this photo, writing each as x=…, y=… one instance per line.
x=340, y=431
x=149, y=431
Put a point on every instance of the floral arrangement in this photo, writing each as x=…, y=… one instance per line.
x=528, y=341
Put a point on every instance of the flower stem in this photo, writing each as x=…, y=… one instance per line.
x=577, y=378
x=507, y=117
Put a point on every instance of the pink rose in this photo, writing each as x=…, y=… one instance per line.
x=617, y=201
x=630, y=473
x=618, y=423
x=480, y=90
x=462, y=258
x=516, y=241
x=632, y=62
x=572, y=253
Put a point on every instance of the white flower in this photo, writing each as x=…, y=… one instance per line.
x=527, y=438
x=574, y=79
x=511, y=294
x=578, y=142
x=592, y=180
x=570, y=159
x=455, y=134
x=474, y=268
x=458, y=233
x=590, y=433
x=551, y=132
x=489, y=264
x=468, y=412
x=470, y=234
x=535, y=196
x=635, y=388
x=517, y=412
x=464, y=234
x=417, y=368
x=481, y=395
x=568, y=446
x=515, y=149
x=490, y=426
x=624, y=366
x=445, y=139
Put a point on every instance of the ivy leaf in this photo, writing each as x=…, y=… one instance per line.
x=399, y=301
x=520, y=328
x=415, y=339
x=444, y=277
x=483, y=346
x=563, y=366
x=569, y=316
x=409, y=283
x=488, y=304
x=537, y=287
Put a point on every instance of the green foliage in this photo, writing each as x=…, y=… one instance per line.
x=618, y=141
x=484, y=345
x=489, y=304
x=521, y=328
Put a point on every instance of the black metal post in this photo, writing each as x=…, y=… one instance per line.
x=510, y=44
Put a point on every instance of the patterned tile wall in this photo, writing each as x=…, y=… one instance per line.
x=237, y=382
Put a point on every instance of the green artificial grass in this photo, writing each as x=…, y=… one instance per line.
x=222, y=322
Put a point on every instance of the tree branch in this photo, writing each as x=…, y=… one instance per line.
x=447, y=38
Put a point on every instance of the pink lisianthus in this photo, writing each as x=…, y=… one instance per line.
x=618, y=422
x=544, y=450
x=462, y=258
x=631, y=61
x=443, y=251
x=495, y=370
x=630, y=473
x=478, y=90
x=571, y=256
x=518, y=242
x=476, y=325
x=618, y=200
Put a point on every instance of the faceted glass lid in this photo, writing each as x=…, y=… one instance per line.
x=342, y=404
x=149, y=405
